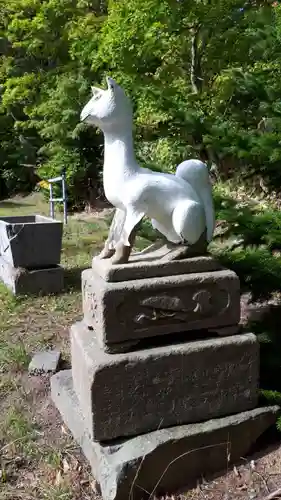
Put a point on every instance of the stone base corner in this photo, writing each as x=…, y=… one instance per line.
x=165, y=460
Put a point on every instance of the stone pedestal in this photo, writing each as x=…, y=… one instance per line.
x=131, y=310
x=165, y=460
x=153, y=385
x=30, y=252
x=135, y=392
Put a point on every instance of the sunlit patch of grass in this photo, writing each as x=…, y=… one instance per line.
x=8, y=383
x=13, y=356
x=17, y=433
x=16, y=425
x=53, y=459
x=62, y=491
x=7, y=301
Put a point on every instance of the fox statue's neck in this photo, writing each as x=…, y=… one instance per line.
x=119, y=159
x=119, y=156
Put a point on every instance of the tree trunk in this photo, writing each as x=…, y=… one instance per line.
x=195, y=68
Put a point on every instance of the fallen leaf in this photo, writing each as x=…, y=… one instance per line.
x=63, y=429
x=58, y=478
x=236, y=472
x=243, y=487
x=3, y=476
x=75, y=465
x=94, y=487
x=65, y=466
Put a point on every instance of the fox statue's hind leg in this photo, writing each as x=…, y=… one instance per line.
x=189, y=222
x=180, y=228
x=196, y=173
x=166, y=230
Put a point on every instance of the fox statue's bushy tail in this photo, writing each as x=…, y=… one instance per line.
x=196, y=173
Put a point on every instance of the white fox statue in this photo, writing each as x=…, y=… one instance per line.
x=179, y=206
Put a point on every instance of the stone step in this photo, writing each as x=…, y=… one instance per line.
x=166, y=460
x=153, y=264
x=131, y=393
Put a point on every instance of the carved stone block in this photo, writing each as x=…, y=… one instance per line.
x=131, y=393
x=128, y=311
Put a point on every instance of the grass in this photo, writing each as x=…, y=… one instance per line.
x=38, y=458
x=32, y=444
x=34, y=448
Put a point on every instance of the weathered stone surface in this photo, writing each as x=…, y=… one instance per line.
x=36, y=282
x=44, y=362
x=165, y=460
x=130, y=393
x=153, y=264
x=131, y=310
x=226, y=331
x=31, y=241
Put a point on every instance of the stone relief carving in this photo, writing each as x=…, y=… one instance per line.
x=173, y=308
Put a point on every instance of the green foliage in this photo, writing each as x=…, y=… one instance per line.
x=45, y=82
x=204, y=77
x=272, y=398
x=67, y=143
x=248, y=241
x=252, y=238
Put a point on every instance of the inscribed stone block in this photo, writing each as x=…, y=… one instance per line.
x=131, y=393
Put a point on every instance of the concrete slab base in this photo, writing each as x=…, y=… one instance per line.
x=44, y=362
x=31, y=282
x=165, y=460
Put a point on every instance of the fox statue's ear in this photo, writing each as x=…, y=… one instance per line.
x=95, y=90
x=110, y=83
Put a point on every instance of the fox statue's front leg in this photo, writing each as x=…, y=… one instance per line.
x=114, y=234
x=123, y=252
x=131, y=224
x=114, y=246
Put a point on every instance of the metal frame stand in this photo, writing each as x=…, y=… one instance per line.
x=63, y=200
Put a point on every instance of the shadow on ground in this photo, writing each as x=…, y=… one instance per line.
x=268, y=331
x=13, y=204
x=72, y=278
